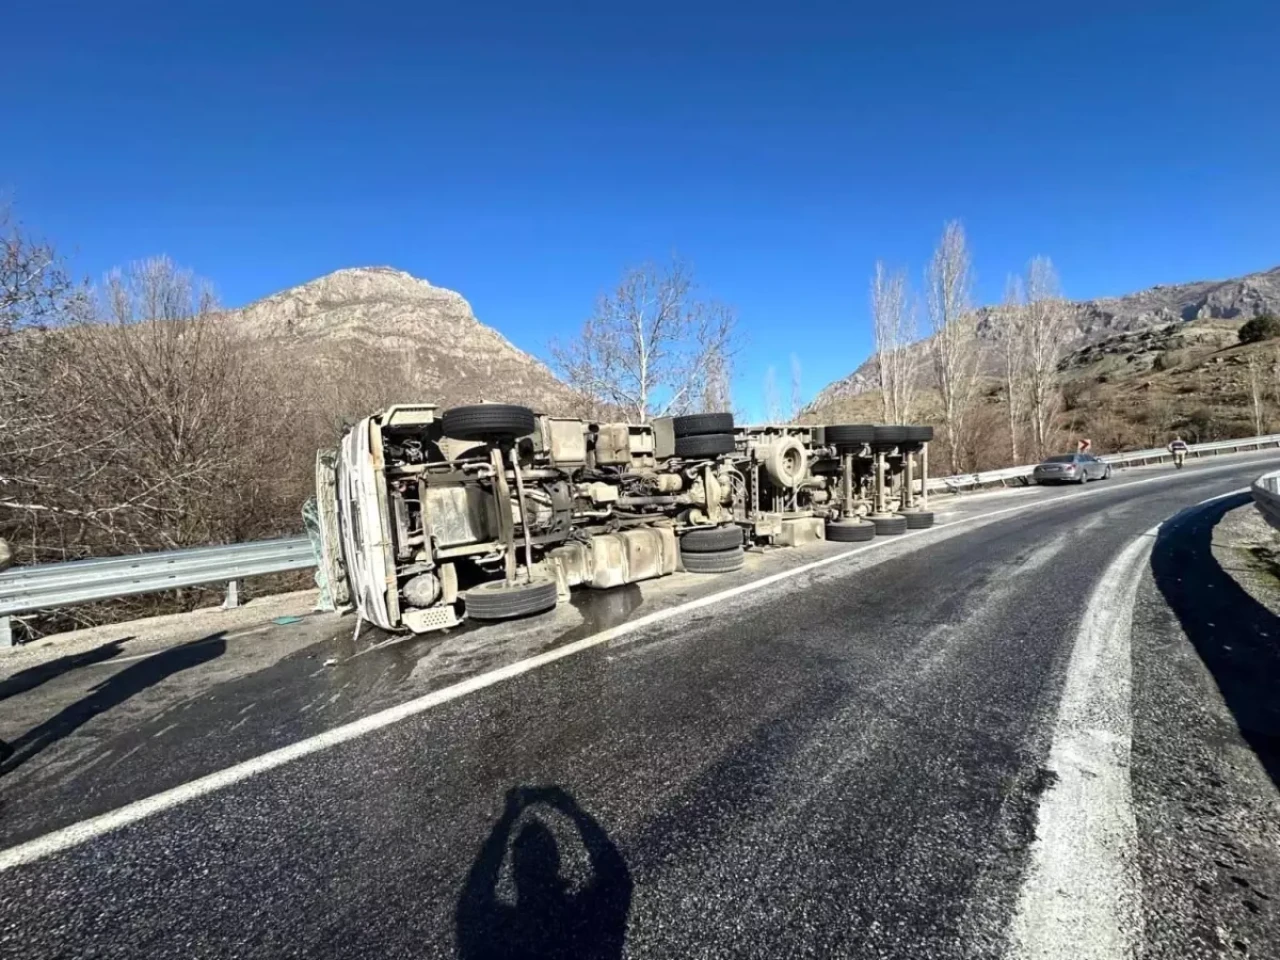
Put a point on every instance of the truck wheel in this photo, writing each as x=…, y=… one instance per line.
x=704, y=446
x=697, y=424
x=890, y=436
x=786, y=463
x=849, y=434
x=919, y=519
x=889, y=526
x=721, y=561
x=483, y=421
x=850, y=531
x=499, y=600
x=711, y=539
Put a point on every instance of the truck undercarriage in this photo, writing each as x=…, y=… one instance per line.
x=492, y=511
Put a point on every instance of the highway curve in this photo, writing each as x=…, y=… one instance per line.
x=850, y=761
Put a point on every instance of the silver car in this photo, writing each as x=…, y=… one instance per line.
x=1071, y=468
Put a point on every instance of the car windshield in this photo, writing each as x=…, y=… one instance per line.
x=1069, y=458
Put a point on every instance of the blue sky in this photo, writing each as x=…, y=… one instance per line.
x=524, y=154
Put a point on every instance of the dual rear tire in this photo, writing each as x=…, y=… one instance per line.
x=703, y=436
x=712, y=549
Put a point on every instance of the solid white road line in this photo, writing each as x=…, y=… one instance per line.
x=1080, y=899
x=86, y=830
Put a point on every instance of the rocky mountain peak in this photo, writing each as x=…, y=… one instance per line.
x=370, y=315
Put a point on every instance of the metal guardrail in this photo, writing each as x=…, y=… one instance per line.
x=1132, y=458
x=1266, y=497
x=47, y=585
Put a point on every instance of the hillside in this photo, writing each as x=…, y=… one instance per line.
x=1163, y=307
x=385, y=323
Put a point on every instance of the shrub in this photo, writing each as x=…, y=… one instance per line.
x=1262, y=327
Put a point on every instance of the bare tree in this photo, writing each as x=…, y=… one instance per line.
x=1014, y=354
x=649, y=346
x=716, y=394
x=797, y=397
x=35, y=288
x=1257, y=380
x=893, y=321
x=1044, y=330
x=772, y=399
x=953, y=345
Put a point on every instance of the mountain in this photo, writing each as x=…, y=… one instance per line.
x=1107, y=319
x=385, y=324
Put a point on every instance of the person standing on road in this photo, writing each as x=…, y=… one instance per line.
x=1179, y=450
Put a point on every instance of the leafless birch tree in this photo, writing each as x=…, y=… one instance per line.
x=953, y=346
x=648, y=348
x=1013, y=353
x=894, y=327
x=797, y=397
x=772, y=399
x=1045, y=329
x=1256, y=379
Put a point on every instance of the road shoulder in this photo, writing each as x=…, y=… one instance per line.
x=1205, y=636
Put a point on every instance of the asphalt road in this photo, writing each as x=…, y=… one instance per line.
x=849, y=761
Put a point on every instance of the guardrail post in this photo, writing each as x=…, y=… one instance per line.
x=6, y=633
x=233, y=595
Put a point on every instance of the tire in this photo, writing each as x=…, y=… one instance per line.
x=722, y=561
x=704, y=446
x=498, y=600
x=918, y=434
x=919, y=519
x=712, y=539
x=850, y=531
x=698, y=424
x=787, y=463
x=890, y=436
x=483, y=421
x=849, y=434
x=889, y=526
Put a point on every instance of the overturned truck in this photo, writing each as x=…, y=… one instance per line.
x=492, y=512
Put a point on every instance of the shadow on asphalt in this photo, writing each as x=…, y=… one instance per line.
x=42, y=673
x=1236, y=637
x=547, y=918
x=111, y=692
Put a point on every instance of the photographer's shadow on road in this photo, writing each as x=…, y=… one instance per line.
x=548, y=918
x=1237, y=638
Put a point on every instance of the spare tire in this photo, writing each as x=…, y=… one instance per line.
x=704, y=446
x=889, y=526
x=484, y=421
x=849, y=434
x=786, y=462
x=499, y=600
x=712, y=539
x=696, y=424
x=721, y=561
x=919, y=434
x=850, y=531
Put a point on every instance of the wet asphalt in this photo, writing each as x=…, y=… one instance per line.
x=846, y=763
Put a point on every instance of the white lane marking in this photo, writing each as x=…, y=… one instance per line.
x=1080, y=899
x=85, y=830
